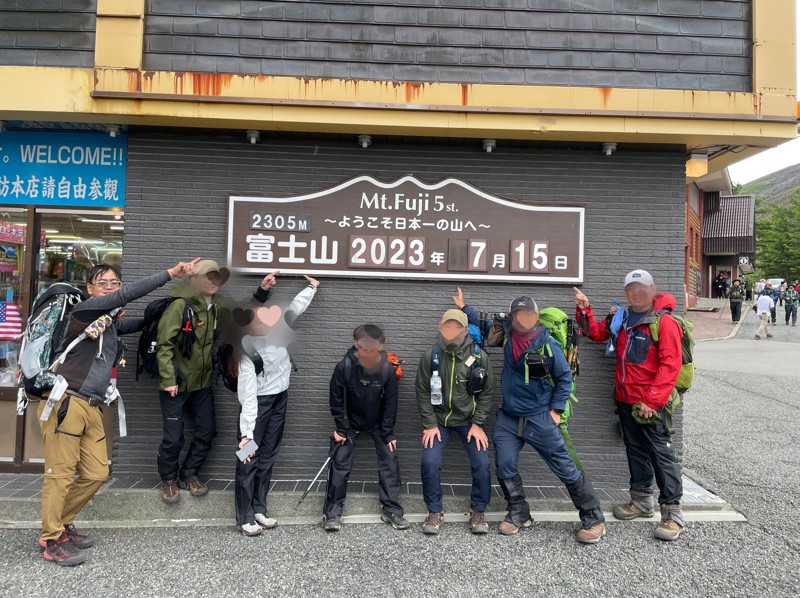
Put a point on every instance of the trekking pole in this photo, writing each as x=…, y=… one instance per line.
x=723, y=309
x=319, y=473
x=314, y=481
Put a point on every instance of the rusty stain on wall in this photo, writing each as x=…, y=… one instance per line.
x=605, y=95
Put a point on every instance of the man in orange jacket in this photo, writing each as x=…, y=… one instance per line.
x=645, y=379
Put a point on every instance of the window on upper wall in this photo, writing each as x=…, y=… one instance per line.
x=694, y=198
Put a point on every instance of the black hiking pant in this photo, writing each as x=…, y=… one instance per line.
x=253, y=479
x=199, y=405
x=651, y=456
x=339, y=473
x=736, y=310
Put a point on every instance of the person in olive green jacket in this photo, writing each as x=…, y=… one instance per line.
x=461, y=408
x=186, y=334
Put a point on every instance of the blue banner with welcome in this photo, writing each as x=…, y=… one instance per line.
x=62, y=169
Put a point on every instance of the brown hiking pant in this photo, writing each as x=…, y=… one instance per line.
x=74, y=442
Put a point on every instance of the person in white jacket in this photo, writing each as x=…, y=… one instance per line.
x=262, y=393
x=764, y=306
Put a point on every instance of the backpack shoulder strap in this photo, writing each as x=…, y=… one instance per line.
x=436, y=359
x=258, y=361
x=347, y=364
x=655, y=327
x=476, y=353
x=386, y=370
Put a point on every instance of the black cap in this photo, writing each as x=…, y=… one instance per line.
x=523, y=302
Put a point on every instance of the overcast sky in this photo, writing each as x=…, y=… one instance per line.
x=775, y=159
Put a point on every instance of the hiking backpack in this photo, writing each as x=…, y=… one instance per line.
x=686, y=373
x=43, y=334
x=146, y=360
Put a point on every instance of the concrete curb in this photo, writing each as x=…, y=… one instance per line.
x=143, y=508
x=494, y=517
x=733, y=333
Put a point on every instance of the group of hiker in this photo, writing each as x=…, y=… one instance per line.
x=768, y=299
x=454, y=390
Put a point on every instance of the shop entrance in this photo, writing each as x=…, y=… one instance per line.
x=40, y=247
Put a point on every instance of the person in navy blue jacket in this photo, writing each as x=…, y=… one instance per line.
x=536, y=384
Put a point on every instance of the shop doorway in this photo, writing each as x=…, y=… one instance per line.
x=52, y=246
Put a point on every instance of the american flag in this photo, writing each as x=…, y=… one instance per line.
x=10, y=322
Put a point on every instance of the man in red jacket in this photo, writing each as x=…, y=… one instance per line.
x=645, y=380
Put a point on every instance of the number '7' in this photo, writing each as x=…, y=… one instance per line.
x=481, y=247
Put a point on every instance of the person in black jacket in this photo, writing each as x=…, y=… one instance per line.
x=363, y=398
x=72, y=421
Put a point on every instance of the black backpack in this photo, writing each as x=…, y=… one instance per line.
x=148, y=340
x=228, y=367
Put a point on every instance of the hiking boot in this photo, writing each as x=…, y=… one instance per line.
x=668, y=530
x=265, y=521
x=195, y=486
x=432, y=524
x=591, y=535
x=250, y=529
x=397, y=521
x=507, y=528
x=169, y=493
x=630, y=511
x=78, y=540
x=477, y=523
x=62, y=552
x=334, y=524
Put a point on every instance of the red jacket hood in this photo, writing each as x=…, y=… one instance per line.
x=664, y=301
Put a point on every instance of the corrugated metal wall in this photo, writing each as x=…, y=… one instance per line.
x=176, y=208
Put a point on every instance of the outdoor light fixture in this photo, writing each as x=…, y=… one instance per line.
x=697, y=165
x=113, y=130
x=99, y=221
x=365, y=141
x=489, y=145
x=609, y=148
x=253, y=136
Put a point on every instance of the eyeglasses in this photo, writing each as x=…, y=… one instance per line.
x=102, y=284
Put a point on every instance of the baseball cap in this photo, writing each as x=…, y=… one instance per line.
x=209, y=266
x=523, y=302
x=457, y=315
x=640, y=276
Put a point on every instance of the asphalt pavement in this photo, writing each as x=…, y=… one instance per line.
x=741, y=441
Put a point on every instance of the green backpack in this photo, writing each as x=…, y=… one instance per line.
x=562, y=331
x=686, y=373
